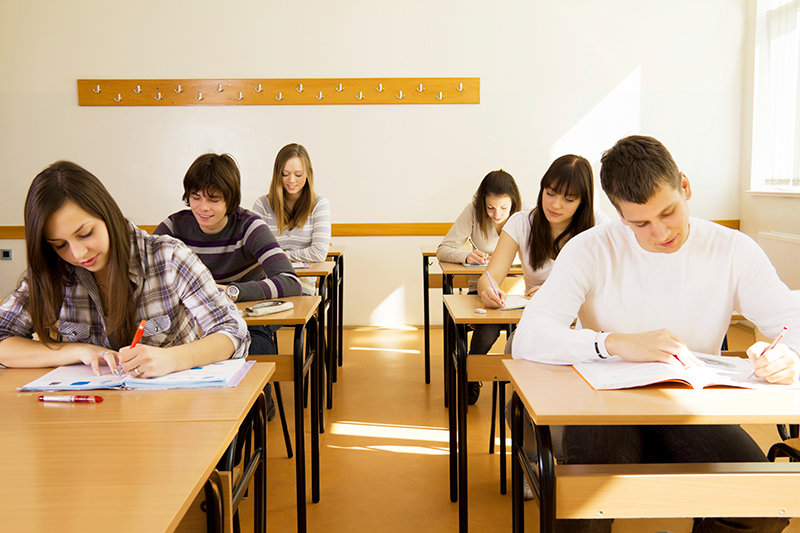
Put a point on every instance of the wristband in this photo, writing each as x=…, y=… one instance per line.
x=597, y=347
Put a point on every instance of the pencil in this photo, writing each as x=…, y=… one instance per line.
x=494, y=287
x=139, y=333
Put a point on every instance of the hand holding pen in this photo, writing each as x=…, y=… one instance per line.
x=493, y=297
x=128, y=363
x=775, y=363
x=476, y=257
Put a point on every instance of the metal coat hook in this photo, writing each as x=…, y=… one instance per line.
x=340, y=88
x=420, y=88
x=199, y=97
x=320, y=96
x=158, y=97
x=279, y=97
x=118, y=97
x=96, y=90
x=300, y=88
x=380, y=88
x=258, y=88
x=460, y=87
x=440, y=97
x=178, y=90
x=138, y=89
x=360, y=96
x=240, y=97
x=219, y=88
x=400, y=96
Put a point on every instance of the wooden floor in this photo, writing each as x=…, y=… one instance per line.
x=384, y=460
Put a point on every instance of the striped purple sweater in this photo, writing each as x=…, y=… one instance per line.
x=245, y=254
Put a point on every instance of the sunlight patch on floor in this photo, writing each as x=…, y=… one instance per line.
x=389, y=431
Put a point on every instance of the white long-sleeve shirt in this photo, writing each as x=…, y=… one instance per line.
x=605, y=278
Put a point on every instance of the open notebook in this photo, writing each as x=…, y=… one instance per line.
x=616, y=373
x=81, y=377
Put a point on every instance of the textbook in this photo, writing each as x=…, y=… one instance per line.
x=299, y=264
x=616, y=373
x=515, y=302
x=79, y=377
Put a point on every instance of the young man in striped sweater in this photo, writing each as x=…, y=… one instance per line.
x=235, y=244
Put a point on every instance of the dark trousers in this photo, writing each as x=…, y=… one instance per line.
x=665, y=444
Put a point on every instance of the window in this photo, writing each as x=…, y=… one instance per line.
x=776, y=103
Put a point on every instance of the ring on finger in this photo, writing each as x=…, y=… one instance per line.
x=137, y=371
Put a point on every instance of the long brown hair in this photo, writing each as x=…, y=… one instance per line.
x=570, y=175
x=495, y=183
x=48, y=275
x=296, y=218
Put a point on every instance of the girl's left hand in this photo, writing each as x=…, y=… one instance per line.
x=530, y=292
x=146, y=361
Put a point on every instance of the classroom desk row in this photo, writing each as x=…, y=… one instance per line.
x=557, y=395
x=134, y=462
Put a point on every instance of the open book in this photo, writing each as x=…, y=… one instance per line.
x=616, y=373
x=226, y=373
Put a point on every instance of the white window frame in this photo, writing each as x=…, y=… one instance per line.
x=776, y=101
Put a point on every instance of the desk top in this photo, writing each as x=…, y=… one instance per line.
x=429, y=250
x=304, y=308
x=336, y=250
x=119, y=476
x=458, y=268
x=555, y=394
x=317, y=269
x=213, y=404
x=462, y=309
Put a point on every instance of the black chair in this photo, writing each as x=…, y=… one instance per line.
x=790, y=445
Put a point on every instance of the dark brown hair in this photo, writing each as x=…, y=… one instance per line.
x=495, y=183
x=570, y=175
x=48, y=275
x=212, y=174
x=636, y=168
x=296, y=218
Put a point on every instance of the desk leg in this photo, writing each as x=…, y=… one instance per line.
x=299, y=426
x=215, y=521
x=517, y=500
x=450, y=376
x=316, y=409
x=426, y=301
x=334, y=325
x=260, y=485
x=547, y=478
x=330, y=353
x=461, y=379
x=340, y=284
x=447, y=288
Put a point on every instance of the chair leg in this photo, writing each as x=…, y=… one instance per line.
x=494, y=417
x=279, y=400
x=502, y=388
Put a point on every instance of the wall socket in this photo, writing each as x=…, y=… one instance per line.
x=5, y=254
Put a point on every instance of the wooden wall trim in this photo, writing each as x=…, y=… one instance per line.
x=393, y=229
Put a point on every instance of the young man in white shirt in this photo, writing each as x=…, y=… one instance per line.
x=652, y=287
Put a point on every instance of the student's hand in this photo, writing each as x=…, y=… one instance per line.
x=661, y=346
x=94, y=355
x=476, y=257
x=778, y=365
x=530, y=292
x=146, y=361
x=490, y=298
x=222, y=288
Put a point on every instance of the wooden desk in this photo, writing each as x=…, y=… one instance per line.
x=557, y=395
x=132, y=463
x=329, y=304
x=459, y=313
x=304, y=360
x=336, y=253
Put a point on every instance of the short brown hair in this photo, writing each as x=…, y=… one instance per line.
x=635, y=168
x=213, y=173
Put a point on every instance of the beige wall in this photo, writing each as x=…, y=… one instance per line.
x=556, y=77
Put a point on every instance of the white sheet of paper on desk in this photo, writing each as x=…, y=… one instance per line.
x=299, y=264
x=81, y=377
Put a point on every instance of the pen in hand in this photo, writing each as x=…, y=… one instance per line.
x=494, y=288
x=772, y=346
x=139, y=333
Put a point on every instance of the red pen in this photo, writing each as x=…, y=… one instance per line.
x=139, y=333
x=772, y=346
x=71, y=399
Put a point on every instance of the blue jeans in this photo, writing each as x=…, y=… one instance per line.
x=665, y=444
x=261, y=340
